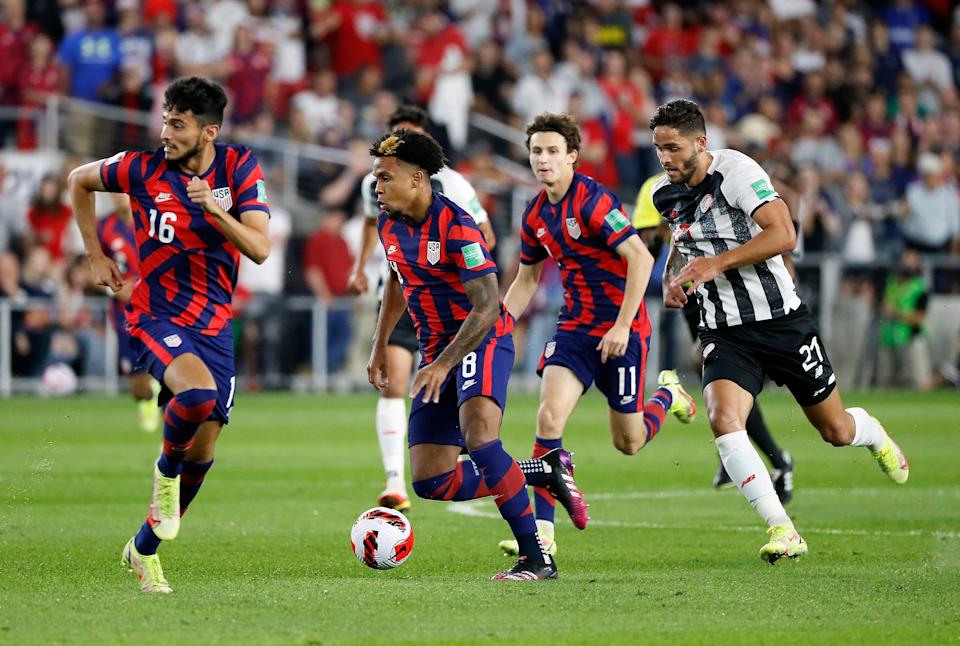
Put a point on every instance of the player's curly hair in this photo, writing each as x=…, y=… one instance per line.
x=409, y=114
x=681, y=114
x=412, y=147
x=204, y=98
x=563, y=124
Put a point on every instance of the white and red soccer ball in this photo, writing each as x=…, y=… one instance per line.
x=382, y=538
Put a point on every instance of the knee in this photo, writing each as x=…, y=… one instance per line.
x=548, y=423
x=141, y=390
x=627, y=446
x=725, y=419
x=426, y=488
x=835, y=432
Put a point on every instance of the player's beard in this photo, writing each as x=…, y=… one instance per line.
x=191, y=153
x=687, y=168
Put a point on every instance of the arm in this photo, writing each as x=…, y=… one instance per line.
x=484, y=296
x=673, y=297
x=639, y=265
x=522, y=289
x=487, y=229
x=368, y=241
x=82, y=183
x=390, y=311
x=251, y=234
x=778, y=236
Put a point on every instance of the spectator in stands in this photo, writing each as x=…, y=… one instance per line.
x=136, y=42
x=522, y=46
x=48, y=218
x=491, y=79
x=819, y=225
x=319, y=103
x=37, y=80
x=249, y=79
x=90, y=56
x=932, y=223
x=925, y=63
x=352, y=31
x=16, y=35
x=326, y=267
x=904, y=356
x=541, y=90
x=198, y=51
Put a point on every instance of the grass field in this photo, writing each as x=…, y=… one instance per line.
x=264, y=554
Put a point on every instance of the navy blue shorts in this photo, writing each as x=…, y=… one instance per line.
x=484, y=372
x=158, y=342
x=127, y=354
x=619, y=379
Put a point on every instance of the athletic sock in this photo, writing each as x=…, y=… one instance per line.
x=655, y=411
x=183, y=416
x=868, y=433
x=508, y=485
x=463, y=483
x=760, y=434
x=146, y=541
x=748, y=472
x=191, y=479
x=391, y=420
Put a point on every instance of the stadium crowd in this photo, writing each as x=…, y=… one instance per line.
x=853, y=105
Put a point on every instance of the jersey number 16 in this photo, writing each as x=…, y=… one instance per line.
x=162, y=228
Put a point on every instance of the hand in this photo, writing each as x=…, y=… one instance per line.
x=614, y=342
x=105, y=272
x=357, y=283
x=674, y=297
x=200, y=193
x=377, y=368
x=429, y=379
x=696, y=272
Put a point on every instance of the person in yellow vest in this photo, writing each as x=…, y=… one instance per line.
x=655, y=234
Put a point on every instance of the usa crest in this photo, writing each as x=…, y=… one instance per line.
x=173, y=341
x=433, y=252
x=549, y=349
x=573, y=228
x=223, y=198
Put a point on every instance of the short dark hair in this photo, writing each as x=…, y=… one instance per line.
x=681, y=114
x=562, y=124
x=412, y=147
x=204, y=98
x=409, y=114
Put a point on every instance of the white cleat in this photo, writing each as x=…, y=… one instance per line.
x=146, y=567
x=164, y=515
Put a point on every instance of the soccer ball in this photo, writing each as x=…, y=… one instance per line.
x=58, y=380
x=382, y=538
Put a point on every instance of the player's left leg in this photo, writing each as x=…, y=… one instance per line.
x=855, y=427
x=145, y=389
x=391, y=423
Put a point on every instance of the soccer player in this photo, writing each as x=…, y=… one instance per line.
x=391, y=416
x=729, y=229
x=442, y=267
x=118, y=243
x=646, y=217
x=197, y=205
x=603, y=332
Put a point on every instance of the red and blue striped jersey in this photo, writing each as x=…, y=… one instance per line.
x=581, y=233
x=433, y=260
x=188, y=268
x=119, y=243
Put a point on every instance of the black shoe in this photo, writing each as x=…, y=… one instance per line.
x=783, y=480
x=564, y=489
x=523, y=572
x=721, y=480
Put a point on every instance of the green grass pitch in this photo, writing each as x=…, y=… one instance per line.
x=263, y=556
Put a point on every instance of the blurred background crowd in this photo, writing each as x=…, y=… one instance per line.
x=853, y=106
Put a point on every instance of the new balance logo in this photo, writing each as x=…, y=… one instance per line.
x=163, y=197
x=468, y=383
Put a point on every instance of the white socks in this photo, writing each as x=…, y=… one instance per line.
x=392, y=433
x=748, y=472
x=868, y=434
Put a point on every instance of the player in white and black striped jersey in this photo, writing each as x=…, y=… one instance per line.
x=729, y=228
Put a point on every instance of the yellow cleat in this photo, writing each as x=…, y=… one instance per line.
x=683, y=406
x=146, y=567
x=784, y=541
x=511, y=548
x=148, y=413
x=164, y=515
x=891, y=459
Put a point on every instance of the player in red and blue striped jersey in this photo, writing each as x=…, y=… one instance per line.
x=197, y=205
x=441, y=264
x=117, y=241
x=603, y=332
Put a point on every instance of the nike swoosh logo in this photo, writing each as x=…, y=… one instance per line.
x=468, y=383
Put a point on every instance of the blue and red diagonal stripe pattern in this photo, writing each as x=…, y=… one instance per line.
x=188, y=268
x=433, y=259
x=118, y=242
x=581, y=234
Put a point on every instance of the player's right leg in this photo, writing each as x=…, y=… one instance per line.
x=145, y=390
x=728, y=405
x=391, y=422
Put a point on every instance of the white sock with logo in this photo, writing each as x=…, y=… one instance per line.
x=868, y=434
x=392, y=433
x=746, y=469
